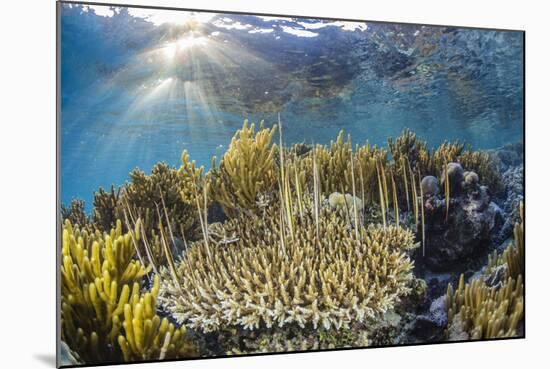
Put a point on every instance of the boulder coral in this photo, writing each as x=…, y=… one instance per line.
x=430, y=185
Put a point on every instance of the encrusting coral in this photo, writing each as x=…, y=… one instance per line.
x=102, y=304
x=313, y=245
x=321, y=275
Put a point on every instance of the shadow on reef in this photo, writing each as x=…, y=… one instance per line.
x=305, y=247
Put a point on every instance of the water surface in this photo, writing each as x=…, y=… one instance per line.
x=138, y=86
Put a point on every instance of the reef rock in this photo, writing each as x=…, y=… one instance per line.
x=464, y=232
x=456, y=331
x=513, y=181
x=430, y=327
x=508, y=156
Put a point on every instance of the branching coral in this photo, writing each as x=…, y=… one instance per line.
x=194, y=183
x=107, y=208
x=273, y=277
x=334, y=168
x=75, y=213
x=246, y=170
x=100, y=283
x=408, y=149
x=486, y=312
x=157, y=197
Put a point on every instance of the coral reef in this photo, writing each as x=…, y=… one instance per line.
x=322, y=274
x=100, y=295
x=490, y=307
x=294, y=248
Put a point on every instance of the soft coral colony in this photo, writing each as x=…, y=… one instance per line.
x=310, y=245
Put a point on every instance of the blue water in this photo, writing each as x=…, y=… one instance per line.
x=138, y=86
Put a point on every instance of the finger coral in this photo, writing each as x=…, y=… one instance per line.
x=146, y=336
x=98, y=274
x=486, y=312
x=100, y=290
x=321, y=275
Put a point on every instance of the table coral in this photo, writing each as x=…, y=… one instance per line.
x=270, y=277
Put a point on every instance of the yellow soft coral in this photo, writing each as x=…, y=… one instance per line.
x=146, y=336
x=100, y=281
